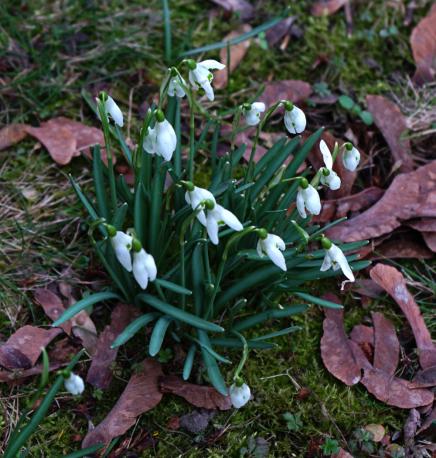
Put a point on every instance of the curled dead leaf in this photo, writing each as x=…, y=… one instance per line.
x=12, y=134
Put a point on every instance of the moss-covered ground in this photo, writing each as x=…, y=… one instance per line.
x=49, y=53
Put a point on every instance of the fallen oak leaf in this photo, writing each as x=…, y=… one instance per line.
x=100, y=373
x=295, y=91
x=393, y=282
x=205, y=397
x=431, y=418
x=392, y=124
x=12, y=358
x=237, y=53
x=327, y=7
x=336, y=353
x=426, y=376
x=409, y=196
x=402, y=245
x=12, y=134
x=430, y=240
x=386, y=344
x=423, y=43
x=140, y=395
x=53, y=306
x=362, y=334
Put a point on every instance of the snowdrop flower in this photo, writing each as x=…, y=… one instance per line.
x=113, y=110
x=239, y=395
x=74, y=384
x=328, y=176
x=175, y=86
x=252, y=112
x=201, y=76
x=122, y=244
x=351, y=157
x=295, y=119
x=162, y=139
x=308, y=199
x=144, y=267
x=334, y=257
x=194, y=196
x=272, y=246
x=218, y=216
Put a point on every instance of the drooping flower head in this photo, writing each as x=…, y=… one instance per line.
x=161, y=139
x=122, y=244
x=308, y=199
x=144, y=267
x=74, y=384
x=295, y=119
x=239, y=395
x=328, y=176
x=201, y=76
x=175, y=86
x=350, y=157
x=252, y=112
x=335, y=258
x=111, y=108
x=272, y=246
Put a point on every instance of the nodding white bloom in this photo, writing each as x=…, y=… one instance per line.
x=175, y=87
x=295, y=119
x=351, y=157
x=332, y=179
x=239, y=395
x=272, y=246
x=195, y=197
x=113, y=110
x=74, y=384
x=144, y=268
x=252, y=114
x=219, y=216
x=308, y=199
x=335, y=258
x=162, y=139
x=122, y=244
x=201, y=76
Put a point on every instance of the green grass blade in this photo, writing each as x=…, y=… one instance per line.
x=86, y=451
x=158, y=335
x=189, y=361
x=85, y=201
x=135, y=326
x=236, y=343
x=124, y=148
x=84, y=303
x=173, y=287
x=178, y=314
x=282, y=332
x=318, y=301
x=120, y=216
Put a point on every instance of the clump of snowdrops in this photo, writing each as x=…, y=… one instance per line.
x=210, y=265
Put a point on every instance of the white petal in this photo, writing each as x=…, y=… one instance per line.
x=295, y=120
x=332, y=180
x=276, y=257
x=258, y=106
x=166, y=139
x=150, y=141
x=351, y=159
x=113, y=109
x=150, y=265
x=201, y=74
x=301, y=206
x=211, y=64
x=239, y=395
x=139, y=268
x=278, y=241
x=327, y=263
x=338, y=256
x=229, y=218
x=122, y=244
x=208, y=90
x=326, y=154
x=74, y=384
x=312, y=200
x=212, y=229
x=252, y=118
x=259, y=248
x=192, y=80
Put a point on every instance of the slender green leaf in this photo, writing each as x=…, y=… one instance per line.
x=189, y=361
x=124, y=148
x=282, y=332
x=132, y=328
x=211, y=365
x=85, y=452
x=140, y=213
x=158, y=334
x=100, y=191
x=236, y=343
x=173, y=286
x=318, y=301
x=120, y=216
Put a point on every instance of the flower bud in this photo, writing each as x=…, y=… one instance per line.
x=304, y=183
x=326, y=243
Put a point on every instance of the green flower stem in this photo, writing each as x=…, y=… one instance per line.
x=191, y=141
x=244, y=354
x=335, y=152
x=316, y=179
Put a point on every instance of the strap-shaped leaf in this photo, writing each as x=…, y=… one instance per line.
x=85, y=452
x=211, y=365
x=132, y=328
x=158, y=334
x=120, y=216
x=140, y=213
x=236, y=343
x=84, y=303
x=267, y=315
x=179, y=314
x=173, y=287
x=124, y=148
x=189, y=361
x=318, y=301
x=282, y=332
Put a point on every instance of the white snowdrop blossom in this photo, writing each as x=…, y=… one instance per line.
x=335, y=258
x=74, y=384
x=272, y=246
x=161, y=139
x=220, y=216
x=175, y=87
x=239, y=395
x=331, y=180
x=201, y=76
x=122, y=244
x=144, y=268
x=252, y=115
x=195, y=197
x=351, y=157
x=113, y=110
x=295, y=119
x=308, y=199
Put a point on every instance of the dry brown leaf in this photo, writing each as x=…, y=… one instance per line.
x=362, y=334
x=327, y=7
x=367, y=287
x=392, y=124
x=430, y=240
x=100, y=372
x=205, y=397
x=402, y=245
x=393, y=282
x=342, y=454
x=140, y=395
x=426, y=376
x=294, y=90
x=411, y=195
x=237, y=53
x=431, y=418
x=338, y=208
x=28, y=341
x=335, y=350
x=386, y=344
x=12, y=134
x=53, y=306
x=377, y=431
x=423, y=225
x=243, y=7
x=279, y=31
x=423, y=42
